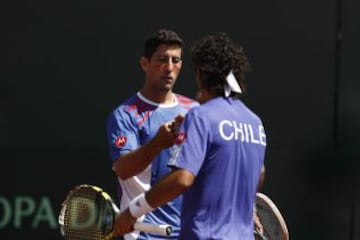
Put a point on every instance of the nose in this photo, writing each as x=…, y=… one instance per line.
x=170, y=65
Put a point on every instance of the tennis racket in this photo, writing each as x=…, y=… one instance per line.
x=89, y=213
x=274, y=226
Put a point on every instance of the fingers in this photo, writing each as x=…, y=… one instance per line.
x=174, y=128
x=258, y=225
x=124, y=223
x=168, y=132
x=179, y=118
x=165, y=136
x=175, y=125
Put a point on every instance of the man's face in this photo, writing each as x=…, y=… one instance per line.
x=163, y=68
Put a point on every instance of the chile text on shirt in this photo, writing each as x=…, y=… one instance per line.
x=230, y=130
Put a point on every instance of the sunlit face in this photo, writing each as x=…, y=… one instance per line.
x=163, y=68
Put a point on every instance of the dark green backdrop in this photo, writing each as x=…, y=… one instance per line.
x=66, y=64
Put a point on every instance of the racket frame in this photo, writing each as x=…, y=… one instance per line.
x=280, y=220
x=163, y=229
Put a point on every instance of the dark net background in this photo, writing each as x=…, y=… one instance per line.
x=66, y=64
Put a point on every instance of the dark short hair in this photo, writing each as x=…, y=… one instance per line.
x=215, y=56
x=159, y=37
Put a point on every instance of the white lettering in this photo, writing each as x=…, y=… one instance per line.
x=221, y=130
x=262, y=135
x=238, y=130
x=252, y=137
x=244, y=132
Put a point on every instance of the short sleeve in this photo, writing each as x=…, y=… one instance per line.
x=122, y=134
x=190, y=150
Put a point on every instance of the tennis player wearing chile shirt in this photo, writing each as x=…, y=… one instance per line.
x=132, y=124
x=224, y=147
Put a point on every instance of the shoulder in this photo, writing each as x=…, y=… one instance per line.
x=186, y=101
x=199, y=112
x=125, y=107
x=251, y=113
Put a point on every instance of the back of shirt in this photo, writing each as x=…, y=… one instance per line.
x=224, y=146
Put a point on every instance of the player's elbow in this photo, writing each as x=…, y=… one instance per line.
x=184, y=179
x=120, y=172
x=123, y=176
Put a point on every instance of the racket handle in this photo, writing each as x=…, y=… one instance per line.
x=163, y=229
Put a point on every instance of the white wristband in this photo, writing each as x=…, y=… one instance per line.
x=139, y=206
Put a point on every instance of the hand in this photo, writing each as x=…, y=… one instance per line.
x=261, y=178
x=124, y=223
x=175, y=125
x=167, y=133
x=165, y=136
x=258, y=225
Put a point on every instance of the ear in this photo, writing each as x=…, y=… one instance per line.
x=197, y=78
x=144, y=62
x=202, y=95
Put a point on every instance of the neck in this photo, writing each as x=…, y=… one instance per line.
x=166, y=97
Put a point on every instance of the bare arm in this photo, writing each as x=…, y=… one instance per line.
x=262, y=178
x=169, y=187
x=136, y=161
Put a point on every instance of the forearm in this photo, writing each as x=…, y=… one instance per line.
x=134, y=162
x=261, y=178
x=170, y=186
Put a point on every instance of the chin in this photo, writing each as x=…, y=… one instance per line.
x=167, y=87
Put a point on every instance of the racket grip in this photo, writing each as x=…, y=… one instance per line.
x=163, y=229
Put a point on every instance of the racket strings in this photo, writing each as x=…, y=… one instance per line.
x=87, y=216
x=272, y=228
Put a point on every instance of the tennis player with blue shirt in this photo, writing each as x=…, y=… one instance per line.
x=219, y=154
x=139, y=160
